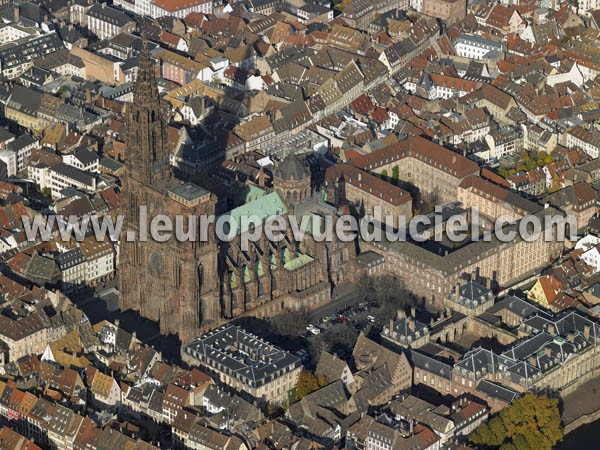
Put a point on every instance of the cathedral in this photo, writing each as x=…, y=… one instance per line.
x=192, y=286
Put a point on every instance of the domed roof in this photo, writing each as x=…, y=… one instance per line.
x=291, y=169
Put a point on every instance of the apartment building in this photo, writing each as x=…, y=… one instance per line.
x=100, y=259
x=476, y=47
x=584, y=139
x=450, y=11
x=61, y=176
x=428, y=166
x=252, y=367
x=105, y=21
x=23, y=336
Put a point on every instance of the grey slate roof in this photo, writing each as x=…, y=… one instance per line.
x=498, y=391
x=291, y=168
x=110, y=15
x=25, y=100
x=74, y=173
x=70, y=258
x=515, y=305
x=248, y=358
x=30, y=49
x=432, y=365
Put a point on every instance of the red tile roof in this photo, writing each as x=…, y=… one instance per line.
x=420, y=148
x=178, y=5
x=370, y=184
x=362, y=104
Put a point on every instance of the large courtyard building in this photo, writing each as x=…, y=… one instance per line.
x=243, y=362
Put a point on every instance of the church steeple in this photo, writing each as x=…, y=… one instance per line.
x=147, y=152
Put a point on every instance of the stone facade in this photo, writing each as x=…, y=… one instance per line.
x=173, y=282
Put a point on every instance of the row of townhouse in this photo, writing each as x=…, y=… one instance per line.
x=56, y=426
x=88, y=263
x=584, y=139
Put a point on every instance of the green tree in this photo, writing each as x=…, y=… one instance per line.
x=307, y=383
x=555, y=186
x=531, y=164
x=290, y=323
x=384, y=173
x=529, y=423
x=396, y=172
x=497, y=428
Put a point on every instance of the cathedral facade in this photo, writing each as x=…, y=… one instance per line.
x=173, y=282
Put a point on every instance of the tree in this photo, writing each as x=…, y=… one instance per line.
x=530, y=422
x=340, y=338
x=555, y=186
x=290, y=323
x=384, y=173
x=364, y=286
x=396, y=173
x=530, y=164
x=497, y=428
x=307, y=383
x=339, y=5
x=548, y=159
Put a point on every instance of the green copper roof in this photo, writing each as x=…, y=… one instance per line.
x=263, y=207
x=110, y=164
x=299, y=261
x=252, y=192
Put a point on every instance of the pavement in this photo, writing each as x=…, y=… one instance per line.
x=343, y=294
x=585, y=400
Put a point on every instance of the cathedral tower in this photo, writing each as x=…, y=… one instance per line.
x=175, y=282
x=146, y=127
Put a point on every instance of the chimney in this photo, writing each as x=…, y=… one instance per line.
x=533, y=361
x=413, y=311
x=457, y=291
x=411, y=324
x=401, y=314
x=488, y=283
x=17, y=13
x=391, y=326
x=586, y=331
x=117, y=322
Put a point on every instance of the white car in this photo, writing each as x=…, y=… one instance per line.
x=312, y=329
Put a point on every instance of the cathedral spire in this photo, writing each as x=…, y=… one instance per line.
x=145, y=85
x=148, y=156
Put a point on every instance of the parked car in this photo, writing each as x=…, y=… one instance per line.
x=312, y=329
